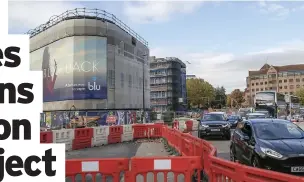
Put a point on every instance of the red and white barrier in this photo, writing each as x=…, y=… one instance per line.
x=64, y=136
x=100, y=136
x=127, y=134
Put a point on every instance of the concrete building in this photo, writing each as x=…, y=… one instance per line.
x=284, y=79
x=167, y=84
x=190, y=76
x=92, y=61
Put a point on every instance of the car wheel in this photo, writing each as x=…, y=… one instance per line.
x=232, y=156
x=255, y=162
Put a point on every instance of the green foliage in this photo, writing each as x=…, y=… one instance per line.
x=300, y=94
x=220, y=97
x=199, y=92
x=237, y=98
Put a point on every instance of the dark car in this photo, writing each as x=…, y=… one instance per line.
x=214, y=124
x=273, y=144
x=234, y=120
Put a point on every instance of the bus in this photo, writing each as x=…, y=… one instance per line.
x=293, y=104
x=273, y=102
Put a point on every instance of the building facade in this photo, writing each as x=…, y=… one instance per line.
x=167, y=84
x=91, y=61
x=190, y=76
x=284, y=79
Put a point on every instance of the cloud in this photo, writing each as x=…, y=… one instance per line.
x=276, y=10
x=157, y=11
x=28, y=15
x=231, y=70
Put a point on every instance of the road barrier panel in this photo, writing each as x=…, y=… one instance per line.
x=127, y=134
x=65, y=136
x=83, y=138
x=115, y=133
x=100, y=136
x=46, y=137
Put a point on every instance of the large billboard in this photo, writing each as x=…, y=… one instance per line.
x=73, y=68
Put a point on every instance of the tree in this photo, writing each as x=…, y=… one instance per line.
x=300, y=94
x=237, y=98
x=200, y=93
x=228, y=101
x=220, y=97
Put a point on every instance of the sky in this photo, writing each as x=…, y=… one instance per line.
x=219, y=41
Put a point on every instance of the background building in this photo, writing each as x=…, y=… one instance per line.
x=168, y=84
x=190, y=76
x=90, y=60
x=284, y=79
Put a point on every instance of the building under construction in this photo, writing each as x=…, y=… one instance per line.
x=167, y=84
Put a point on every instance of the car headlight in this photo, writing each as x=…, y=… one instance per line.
x=226, y=125
x=271, y=153
x=203, y=126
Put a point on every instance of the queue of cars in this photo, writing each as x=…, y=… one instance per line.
x=258, y=140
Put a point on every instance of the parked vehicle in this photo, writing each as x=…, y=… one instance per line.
x=215, y=124
x=234, y=120
x=255, y=115
x=273, y=144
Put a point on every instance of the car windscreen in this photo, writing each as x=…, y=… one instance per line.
x=213, y=117
x=277, y=130
x=233, y=117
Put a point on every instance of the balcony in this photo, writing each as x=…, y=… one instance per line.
x=158, y=75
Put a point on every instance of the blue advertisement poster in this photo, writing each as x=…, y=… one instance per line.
x=73, y=68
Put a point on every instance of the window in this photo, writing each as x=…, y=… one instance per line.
x=290, y=80
x=265, y=83
x=257, y=89
x=262, y=89
x=291, y=93
x=280, y=87
x=298, y=86
x=285, y=87
x=285, y=81
x=111, y=78
x=252, y=84
x=298, y=80
x=261, y=83
x=269, y=82
x=256, y=83
x=122, y=80
x=270, y=88
x=291, y=86
x=284, y=74
x=252, y=90
x=297, y=74
x=246, y=129
x=280, y=81
x=302, y=79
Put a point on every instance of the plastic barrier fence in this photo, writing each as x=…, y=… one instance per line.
x=199, y=158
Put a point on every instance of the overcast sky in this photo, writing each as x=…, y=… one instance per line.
x=221, y=40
